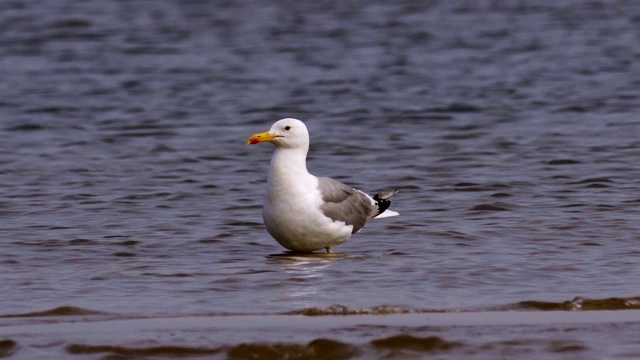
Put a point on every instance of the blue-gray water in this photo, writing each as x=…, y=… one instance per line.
x=511, y=129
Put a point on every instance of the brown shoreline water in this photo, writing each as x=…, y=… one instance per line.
x=583, y=328
x=472, y=335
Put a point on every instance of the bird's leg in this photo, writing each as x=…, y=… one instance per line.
x=328, y=249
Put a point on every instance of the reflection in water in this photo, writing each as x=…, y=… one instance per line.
x=295, y=257
x=306, y=274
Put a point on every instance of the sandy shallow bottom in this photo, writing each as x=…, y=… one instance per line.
x=464, y=335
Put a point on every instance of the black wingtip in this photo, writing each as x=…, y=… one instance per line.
x=382, y=200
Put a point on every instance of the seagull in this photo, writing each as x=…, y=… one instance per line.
x=305, y=213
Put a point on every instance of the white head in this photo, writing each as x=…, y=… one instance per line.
x=285, y=133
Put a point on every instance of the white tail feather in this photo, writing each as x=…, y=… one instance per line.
x=387, y=213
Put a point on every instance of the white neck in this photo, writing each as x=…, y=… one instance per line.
x=287, y=166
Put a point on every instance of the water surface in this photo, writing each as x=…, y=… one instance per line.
x=510, y=128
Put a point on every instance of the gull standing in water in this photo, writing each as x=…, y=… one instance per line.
x=305, y=213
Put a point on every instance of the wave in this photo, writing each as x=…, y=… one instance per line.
x=316, y=349
x=576, y=304
x=401, y=345
x=174, y=351
x=58, y=311
x=8, y=348
x=321, y=348
x=339, y=309
x=449, y=333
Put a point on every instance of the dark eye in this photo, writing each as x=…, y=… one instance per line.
x=287, y=128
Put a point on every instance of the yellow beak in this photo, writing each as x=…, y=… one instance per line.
x=262, y=137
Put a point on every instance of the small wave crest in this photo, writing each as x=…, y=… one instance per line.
x=577, y=304
x=338, y=309
x=320, y=348
x=8, y=347
x=174, y=351
x=59, y=311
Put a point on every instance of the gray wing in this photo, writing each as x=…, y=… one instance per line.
x=343, y=203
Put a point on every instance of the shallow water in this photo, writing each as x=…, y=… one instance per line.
x=510, y=128
x=471, y=335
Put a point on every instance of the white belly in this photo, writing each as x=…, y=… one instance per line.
x=295, y=220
